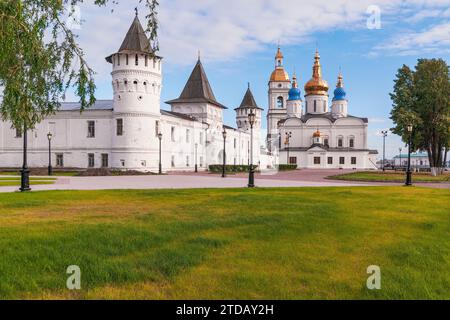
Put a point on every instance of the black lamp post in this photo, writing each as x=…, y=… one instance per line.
x=251, y=176
x=384, y=133
x=160, y=136
x=408, y=172
x=25, y=172
x=50, y=169
x=196, y=157
x=224, y=134
x=288, y=144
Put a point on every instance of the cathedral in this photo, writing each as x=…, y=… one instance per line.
x=310, y=134
x=132, y=132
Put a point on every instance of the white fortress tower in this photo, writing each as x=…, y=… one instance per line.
x=136, y=81
x=339, y=107
x=316, y=90
x=279, y=86
x=247, y=106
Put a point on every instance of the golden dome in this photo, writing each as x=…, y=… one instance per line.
x=317, y=85
x=317, y=134
x=279, y=74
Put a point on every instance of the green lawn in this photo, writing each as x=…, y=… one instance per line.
x=55, y=173
x=298, y=243
x=390, y=177
x=15, y=181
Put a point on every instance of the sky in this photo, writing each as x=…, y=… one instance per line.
x=237, y=39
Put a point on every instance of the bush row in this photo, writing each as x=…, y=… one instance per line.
x=287, y=167
x=217, y=168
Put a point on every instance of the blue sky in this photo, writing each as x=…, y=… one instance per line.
x=238, y=41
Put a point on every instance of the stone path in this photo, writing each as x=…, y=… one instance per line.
x=303, y=178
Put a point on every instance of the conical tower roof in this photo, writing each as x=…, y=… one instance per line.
x=136, y=40
x=197, y=89
x=248, y=101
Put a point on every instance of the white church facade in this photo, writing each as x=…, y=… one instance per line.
x=310, y=134
x=124, y=133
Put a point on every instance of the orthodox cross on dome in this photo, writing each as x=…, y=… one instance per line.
x=136, y=10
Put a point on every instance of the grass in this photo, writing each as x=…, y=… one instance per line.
x=390, y=177
x=55, y=173
x=15, y=181
x=299, y=243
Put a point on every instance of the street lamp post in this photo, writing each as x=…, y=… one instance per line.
x=25, y=172
x=251, y=176
x=160, y=136
x=224, y=134
x=50, y=168
x=408, y=172
x=196, y=157
x=384, y=133
x=288, y=143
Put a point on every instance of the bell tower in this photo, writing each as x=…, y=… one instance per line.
x=279, y=86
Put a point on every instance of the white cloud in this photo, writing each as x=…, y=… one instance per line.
x=435, y=39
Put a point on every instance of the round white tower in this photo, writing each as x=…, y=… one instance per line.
x=136, y=81
x=339, y=107
x=316, y=90
x=294, y=103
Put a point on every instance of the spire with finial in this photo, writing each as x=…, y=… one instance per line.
x=199, y=54
x=136, y=11
x=317, y=85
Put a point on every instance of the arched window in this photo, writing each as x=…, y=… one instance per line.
x=136, y=60
x=126, y=59
x=351, y=142
x=340, y=142
x=280, y=102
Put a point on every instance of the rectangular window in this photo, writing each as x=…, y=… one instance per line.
x=316, y=160
x=352, y=143
x=172, y=133
x=105, y=162
x=119, y=127
x=188, y=133
x=330, y=160
x=59, y=160
x=91, y=129
x=91, y=160
x=136, y=62
x=353, y=160
x=126, y=59
x=341, y=160
x=173, y=162
x=292, y=160
x=340, y=143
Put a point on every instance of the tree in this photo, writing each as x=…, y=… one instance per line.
x=421, y=97
x=40, y=60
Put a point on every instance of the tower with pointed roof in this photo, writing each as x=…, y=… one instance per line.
x=316, y=90
x=197, y=98
x=136, y=81
x=279, y=86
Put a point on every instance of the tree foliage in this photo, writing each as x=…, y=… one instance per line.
x=40, y=58
x=421, y=97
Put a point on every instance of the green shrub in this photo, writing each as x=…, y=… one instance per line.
x=287, y=167
x=217, y=168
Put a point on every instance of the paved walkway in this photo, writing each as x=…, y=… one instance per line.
x=303, y=178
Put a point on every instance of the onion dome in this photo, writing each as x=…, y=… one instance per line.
x=294, y=93
x=317, y=86
x=339, y=92
x=317, y=134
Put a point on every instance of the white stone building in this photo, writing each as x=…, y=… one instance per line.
x=122, y=133
x=311, y=134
